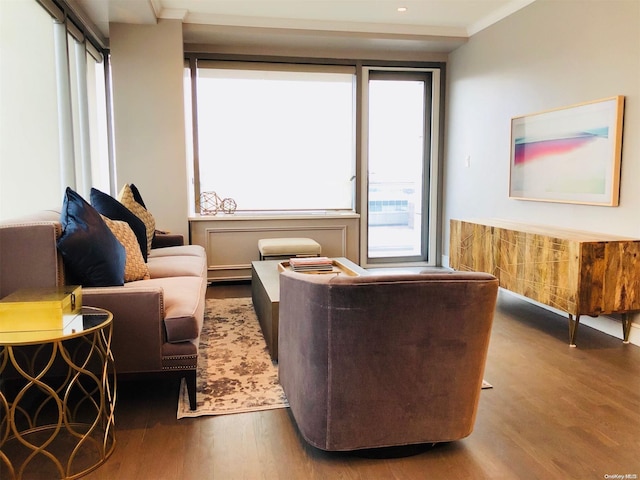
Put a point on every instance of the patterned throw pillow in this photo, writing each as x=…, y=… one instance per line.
x=126, y=198
x=134, y=267
x=110, y=207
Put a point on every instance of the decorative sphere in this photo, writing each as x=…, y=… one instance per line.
x=228, y=205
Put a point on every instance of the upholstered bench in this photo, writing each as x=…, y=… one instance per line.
x=273, y=248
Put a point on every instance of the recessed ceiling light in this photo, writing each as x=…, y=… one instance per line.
x=402, y=9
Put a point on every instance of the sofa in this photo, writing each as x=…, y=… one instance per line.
x=384, y=360
x=156, y=321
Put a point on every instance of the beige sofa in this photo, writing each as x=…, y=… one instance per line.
x=157, y=322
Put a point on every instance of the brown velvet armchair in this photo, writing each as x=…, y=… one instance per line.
x=380, y=361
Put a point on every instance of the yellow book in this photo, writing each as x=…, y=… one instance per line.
x=40, y=308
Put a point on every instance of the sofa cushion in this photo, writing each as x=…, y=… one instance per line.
x=112, y=208
x=183, y=305
x=181, y=250
x=135, y=267
x=92, y=255
x=177, y=266
x=163, y=239
x=126, y=198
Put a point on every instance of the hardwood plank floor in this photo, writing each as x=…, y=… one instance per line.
x=554, y=413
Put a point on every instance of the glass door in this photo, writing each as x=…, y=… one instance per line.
x=398, y=166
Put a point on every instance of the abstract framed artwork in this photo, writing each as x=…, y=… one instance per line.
x=568, y=155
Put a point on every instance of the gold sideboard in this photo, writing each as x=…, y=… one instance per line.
x=581, y=273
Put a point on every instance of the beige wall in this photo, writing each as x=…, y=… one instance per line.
x=147, y=65
x=550, y=54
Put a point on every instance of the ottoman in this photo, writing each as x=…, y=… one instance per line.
x=275, y=248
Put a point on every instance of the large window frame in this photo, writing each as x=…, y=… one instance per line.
x=283, y=176
x=433, y=247
x=431, y=233
x=55, y=115
x=84, y=102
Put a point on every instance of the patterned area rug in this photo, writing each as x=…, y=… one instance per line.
x=235, y=371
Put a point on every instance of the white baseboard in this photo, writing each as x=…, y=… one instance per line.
x=613, y=327
x=603, y=323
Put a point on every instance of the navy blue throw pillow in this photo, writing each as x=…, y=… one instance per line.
x=92, y=255
x=113, y=209
x=136, y=195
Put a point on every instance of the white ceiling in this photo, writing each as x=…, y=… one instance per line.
x=427, y=25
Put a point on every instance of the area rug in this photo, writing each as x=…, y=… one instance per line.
x=235, y=371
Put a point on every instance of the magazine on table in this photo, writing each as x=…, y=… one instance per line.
x=305, y=264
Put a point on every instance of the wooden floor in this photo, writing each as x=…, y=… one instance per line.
x=554, y=413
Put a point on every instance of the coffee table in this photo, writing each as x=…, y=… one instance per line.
x=265, y=293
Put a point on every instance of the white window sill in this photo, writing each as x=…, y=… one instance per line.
x=277, y=215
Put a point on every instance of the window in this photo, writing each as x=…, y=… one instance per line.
x=402, y=118
x=54, y=111
x=28, y=143
x=98, y=123
x=276, y=137
x=83, y=111
x=293, y=137
x=396, y=159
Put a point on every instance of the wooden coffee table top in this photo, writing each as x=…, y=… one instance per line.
x=269, y=274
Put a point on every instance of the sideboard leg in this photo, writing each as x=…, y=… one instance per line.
x=573, y=329
x=626, y=327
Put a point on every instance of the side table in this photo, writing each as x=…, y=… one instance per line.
x=57, y=398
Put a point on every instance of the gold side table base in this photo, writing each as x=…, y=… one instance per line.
x=57, y=402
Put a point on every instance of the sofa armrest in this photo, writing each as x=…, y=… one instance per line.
x=138, y=324
x=164, y=239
